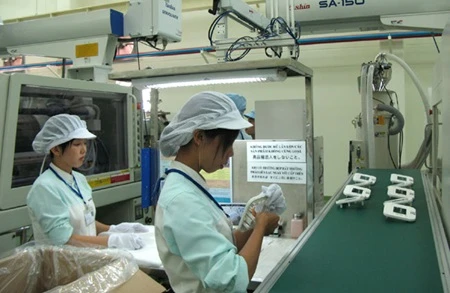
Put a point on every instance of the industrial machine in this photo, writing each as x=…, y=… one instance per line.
x=112, y=112
x=286, y=20
x=380, y=124
x=328, y=16
x=89, y=39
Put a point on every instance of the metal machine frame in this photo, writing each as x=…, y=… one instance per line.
x=13, y=211
x=289, y=67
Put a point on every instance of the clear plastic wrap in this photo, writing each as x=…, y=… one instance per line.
x=65, y=269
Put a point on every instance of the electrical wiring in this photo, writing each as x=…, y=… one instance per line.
x=269, y=32
x=400, y=143
x=389, y=147
x=213, y=25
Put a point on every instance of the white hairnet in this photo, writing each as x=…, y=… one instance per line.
x=204, y=111
x=58, y=130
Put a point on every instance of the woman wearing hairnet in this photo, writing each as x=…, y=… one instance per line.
x=251, y=119
x=199, y=250
x=60, y=201
x=241, y=104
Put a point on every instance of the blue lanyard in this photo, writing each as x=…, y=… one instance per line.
x=76, y=191
x=206, y=192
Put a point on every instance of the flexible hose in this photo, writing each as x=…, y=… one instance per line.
x=415, y=79
x=400, y=122
x=425, y=147
x=368, y=116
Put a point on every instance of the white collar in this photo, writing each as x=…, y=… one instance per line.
x=189, y=171
x=64, y=175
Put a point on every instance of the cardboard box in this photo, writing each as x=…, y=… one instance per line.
x=71, y=269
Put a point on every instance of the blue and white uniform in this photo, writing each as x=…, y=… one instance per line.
x=243, y=135
x=56, y=211
x=195, y=238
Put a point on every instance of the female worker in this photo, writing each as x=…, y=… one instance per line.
x=60, y=201
x=241, y=104
x=196, y=243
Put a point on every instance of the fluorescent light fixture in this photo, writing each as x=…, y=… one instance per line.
x=244, y=76
x=124, y=83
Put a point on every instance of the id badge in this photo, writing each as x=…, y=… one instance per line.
x=89, y=217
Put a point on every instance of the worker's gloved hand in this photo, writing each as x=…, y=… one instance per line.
x=128, y=241
x=275, y=203
x=128, y=228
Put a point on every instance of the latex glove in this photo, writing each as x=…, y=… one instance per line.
x=275, y=202
x=128, y=241
x=128, y=228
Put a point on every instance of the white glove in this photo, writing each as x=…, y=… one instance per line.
x=275, y=202
x=128, y=241
x=128, y=228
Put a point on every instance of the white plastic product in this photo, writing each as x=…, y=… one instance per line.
x=364, y=179
x=401, y=200
x=350, y=200
x=357, y=191
x=402, y=180
x=399, y=212
x=248, y=220
x=399, y=192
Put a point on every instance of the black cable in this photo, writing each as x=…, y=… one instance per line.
x=380, y=101
x=400, y=150
x=396, y=100
x=137, y=53
x=389, y=95
x=264, y=34
x=232, y=48
x=389, y=146
x=400, y=144
x=147, y=42
x=436, y=45
x=212, y=27
x=63, y=73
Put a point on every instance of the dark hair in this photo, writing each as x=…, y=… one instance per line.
x=63, y=146
x=226, y=137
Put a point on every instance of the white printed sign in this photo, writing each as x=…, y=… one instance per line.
x=276, y=162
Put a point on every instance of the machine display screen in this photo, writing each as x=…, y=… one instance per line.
x=365, y=178
x=399, y=210
x=401, y=178
x=401, y=191
x=357, y=190
x=105, y=114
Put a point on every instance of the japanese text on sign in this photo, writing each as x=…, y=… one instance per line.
x=276, y=162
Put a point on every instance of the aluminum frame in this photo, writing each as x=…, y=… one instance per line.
x=291, y=67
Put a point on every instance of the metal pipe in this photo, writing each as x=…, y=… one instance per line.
x=288, y=15
x=272, y=11
x=276, y=15
x=197, y=50
x=292, y=16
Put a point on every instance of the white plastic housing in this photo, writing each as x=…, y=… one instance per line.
x=358, y=191
x=151, y=18
x=363, y=178
x=402, y=180
x=399, y=212
x=399, y=192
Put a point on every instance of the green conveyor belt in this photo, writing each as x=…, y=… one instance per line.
x=356, y=249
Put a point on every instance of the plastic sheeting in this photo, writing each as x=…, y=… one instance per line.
x=65, y=269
